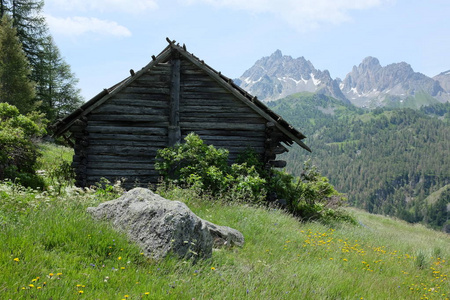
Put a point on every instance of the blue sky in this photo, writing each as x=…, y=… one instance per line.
x=103, y=39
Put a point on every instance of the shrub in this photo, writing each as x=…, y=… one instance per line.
x=197, y=165
x=18, y=148
x=310, y=196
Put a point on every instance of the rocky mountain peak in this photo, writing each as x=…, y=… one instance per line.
x=368, y=85
x=370, y=63
x=279, y=75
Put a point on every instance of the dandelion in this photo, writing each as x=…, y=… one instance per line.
x=51, y=274
x=212, y=268
x=122, y=268
x=39, y=288
x=58, y=274
x=126, y=296
x=119, y=258
x=147, y=293
x=16, y=259
x=31, y=285
x=80, y=292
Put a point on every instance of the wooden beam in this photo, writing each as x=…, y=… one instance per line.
x=174, y=116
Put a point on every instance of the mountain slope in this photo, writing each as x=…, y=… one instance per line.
x=278, y=75
x=444, y=80
x=387, y=161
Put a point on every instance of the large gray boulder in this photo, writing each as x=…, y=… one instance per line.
x=160, y=226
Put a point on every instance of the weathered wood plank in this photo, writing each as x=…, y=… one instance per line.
x=205, y=113
x=232, y=138
x=227, y=144
x=142, y=143
x=122, y=150
x=128, y=118
x=243, y=127
x=147, y=100
x=224, y=132
x=213, y=109
x=142, y=124
x=199, y=84
x=146, y=90
x=174, y=114
x=127, y=130
x=204, y=118
x=130, y=110
x=214, y=90
x=207, y=96
x=145, y=84
x=128, y=137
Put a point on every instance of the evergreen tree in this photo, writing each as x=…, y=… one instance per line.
x=57, y=89
x=55, y=83
x=15, y=86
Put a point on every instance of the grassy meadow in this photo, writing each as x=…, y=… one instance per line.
x=52, y=249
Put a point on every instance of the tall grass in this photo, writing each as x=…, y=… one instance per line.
x=51, y=248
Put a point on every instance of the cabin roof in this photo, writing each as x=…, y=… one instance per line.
x=259, y=107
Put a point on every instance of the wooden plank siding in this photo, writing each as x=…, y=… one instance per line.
x=216, y=115
x=126, y=131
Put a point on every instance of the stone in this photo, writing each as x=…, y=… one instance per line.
x=160, y=226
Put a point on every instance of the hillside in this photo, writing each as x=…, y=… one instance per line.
x=387, y=161
x=52, y=249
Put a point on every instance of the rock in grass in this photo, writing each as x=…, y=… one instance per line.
x=160, y=226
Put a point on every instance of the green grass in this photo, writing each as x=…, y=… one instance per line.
x=51, y=248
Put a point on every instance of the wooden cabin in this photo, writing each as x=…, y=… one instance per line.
x=117, y=133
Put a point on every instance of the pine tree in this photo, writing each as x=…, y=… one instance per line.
x=57, y=89
x=55, y=83
x=15, y=86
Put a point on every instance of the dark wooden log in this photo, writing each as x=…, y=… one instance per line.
x=201, y=125
x=128, y=137
x=130, y=110
x=123, y=150
x=150, y=100
x=129, y=118
x=174, y=115
x=128, y=130
x=137, y=143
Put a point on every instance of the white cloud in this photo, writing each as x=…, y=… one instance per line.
x=127, y=6
x=301, y=14
x=75, y=26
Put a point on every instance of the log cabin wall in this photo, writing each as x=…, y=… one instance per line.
x=126, y=131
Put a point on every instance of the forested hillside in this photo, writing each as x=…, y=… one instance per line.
x=386, y=160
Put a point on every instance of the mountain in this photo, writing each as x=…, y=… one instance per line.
x=444, y=80
x=368, y=85
x=386, y=160
x=396, y=85
x=279, y=75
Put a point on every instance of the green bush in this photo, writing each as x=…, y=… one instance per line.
x=18, y=148
x=310, y=196
x=197, y=165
